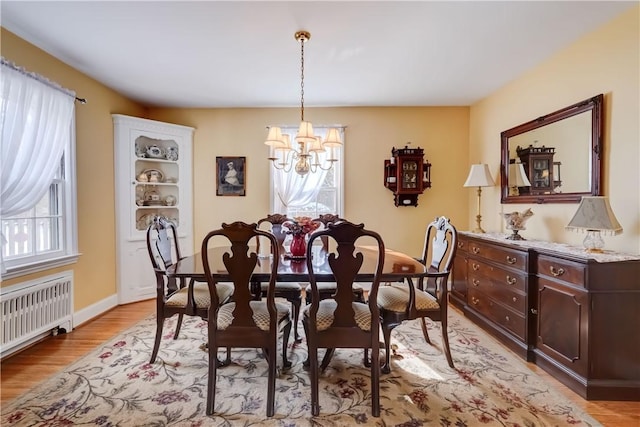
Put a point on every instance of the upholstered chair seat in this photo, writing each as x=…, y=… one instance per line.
x=326, y=311
x=395, y=297
x=260, y=314
x=200, y=295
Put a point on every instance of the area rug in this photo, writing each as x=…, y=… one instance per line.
x=117, y=386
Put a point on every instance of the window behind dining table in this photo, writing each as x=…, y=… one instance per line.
x=38, y=227
x=322, y=191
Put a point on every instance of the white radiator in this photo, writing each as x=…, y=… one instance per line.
x=31, y=310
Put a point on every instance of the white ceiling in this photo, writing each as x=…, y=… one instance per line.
x=243, y=54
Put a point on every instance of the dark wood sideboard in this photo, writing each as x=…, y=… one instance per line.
x=574, y=314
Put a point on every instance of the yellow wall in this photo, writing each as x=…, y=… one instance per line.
x=94, y=273
x=370, y=135
x=605, y=61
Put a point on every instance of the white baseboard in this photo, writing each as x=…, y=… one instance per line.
x=94, y=310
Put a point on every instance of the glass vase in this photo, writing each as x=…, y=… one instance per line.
x=298, y=246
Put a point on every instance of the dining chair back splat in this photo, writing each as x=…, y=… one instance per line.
x=174, y=296
x=429, y=299
x=244, y=322
x=291, y=291
x=341, y=321
x=327, y=289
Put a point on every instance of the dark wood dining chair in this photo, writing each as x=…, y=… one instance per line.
x=175, y=296
x=341, y=321
x=327, y=289
x=291, y=291
x=402, y=301
x=244, y=322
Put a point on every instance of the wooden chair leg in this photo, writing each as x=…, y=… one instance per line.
x=156, y=343
x=211, y=383
x=386, y=333
x=445, y=342
x=375, y=382
x=178, y=326
x=314, y=376
x=327, y=358
x=285, y=345
x=271, y=387
x=424, y=330
x=295, y=307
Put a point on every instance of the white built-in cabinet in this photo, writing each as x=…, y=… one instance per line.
x=153, y=176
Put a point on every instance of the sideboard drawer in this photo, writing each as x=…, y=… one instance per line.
x=507, y=296
x=509, y=278
x=511, y=258
x=561, y=269
x=501, y=315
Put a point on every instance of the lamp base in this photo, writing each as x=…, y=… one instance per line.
x=478, y=230
x=593, y=243
x=594, y=251
x=515, y=236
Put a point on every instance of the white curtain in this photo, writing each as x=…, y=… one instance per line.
x=293, y=190
x=35, y=125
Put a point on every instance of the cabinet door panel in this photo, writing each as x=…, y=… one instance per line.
x=563, y=324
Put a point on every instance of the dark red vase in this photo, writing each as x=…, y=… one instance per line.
x=298, y=246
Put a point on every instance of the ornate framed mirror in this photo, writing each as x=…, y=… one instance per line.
x=556, y=158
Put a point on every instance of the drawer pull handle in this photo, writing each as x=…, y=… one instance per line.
x=475, y=250
x=515, y=299
x=511, y=280
x=475, y=267
x=474, y=300
x=460, y=244
x=511, y=260
x=534, y=311
x=556, y=271
x=506, y=318
x=475, y=282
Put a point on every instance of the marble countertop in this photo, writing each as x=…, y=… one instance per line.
x=576, y=251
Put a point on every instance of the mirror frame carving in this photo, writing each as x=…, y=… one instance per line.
x=594, y=105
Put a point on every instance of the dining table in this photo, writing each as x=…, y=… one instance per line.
x=397, y=267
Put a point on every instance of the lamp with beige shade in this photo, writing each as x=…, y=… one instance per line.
x=595, y=216
x=479, y=176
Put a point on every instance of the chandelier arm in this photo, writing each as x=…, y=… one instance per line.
x=316, y=165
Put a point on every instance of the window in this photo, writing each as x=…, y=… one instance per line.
x=327, y=199
x=44, y=236
x=38, y=158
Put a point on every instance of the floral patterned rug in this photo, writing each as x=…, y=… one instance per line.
x=116, y=386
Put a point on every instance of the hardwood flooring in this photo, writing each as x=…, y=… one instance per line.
x=24, y=370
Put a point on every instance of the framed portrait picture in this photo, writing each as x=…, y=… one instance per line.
x=231, y=176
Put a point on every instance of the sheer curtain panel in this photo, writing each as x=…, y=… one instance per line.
x=35, y=126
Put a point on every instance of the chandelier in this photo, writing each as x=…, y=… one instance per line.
x=305, y=157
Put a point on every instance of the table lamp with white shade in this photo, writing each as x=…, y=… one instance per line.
x=517, y=178
x=595, y=216
x=479, y=176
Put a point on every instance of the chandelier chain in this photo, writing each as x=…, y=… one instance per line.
x=302, y=79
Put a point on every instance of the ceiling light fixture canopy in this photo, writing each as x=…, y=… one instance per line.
x=304, y=158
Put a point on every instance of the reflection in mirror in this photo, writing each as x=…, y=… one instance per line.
x=554, y=158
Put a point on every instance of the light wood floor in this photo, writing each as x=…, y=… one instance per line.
x=23, y=371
